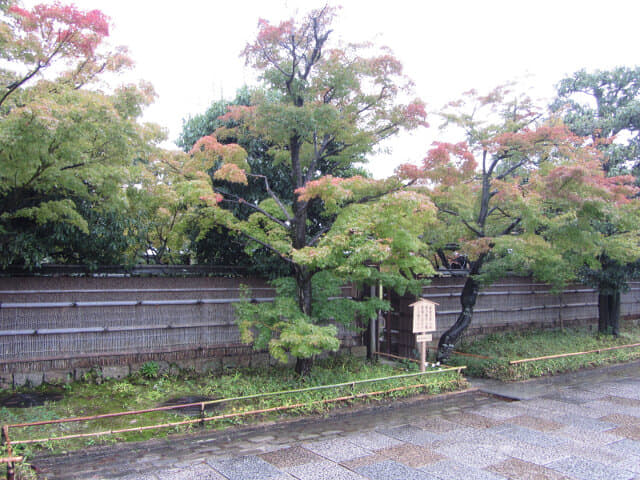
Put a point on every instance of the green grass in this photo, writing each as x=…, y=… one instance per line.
x=149, y=389
x=502, y=348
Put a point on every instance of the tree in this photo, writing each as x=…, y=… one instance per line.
x=323, y=109
x=521, y=194
x=605, y=106
x=64, y=144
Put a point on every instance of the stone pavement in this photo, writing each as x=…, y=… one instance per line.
x=583, y=426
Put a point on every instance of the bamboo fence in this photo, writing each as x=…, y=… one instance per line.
x=58, y=319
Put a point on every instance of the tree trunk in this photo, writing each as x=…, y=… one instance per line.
x=303, y=366
x=303, y=282
x=450, y=337
x=609, y=313
x=603, y=312
x=614, y=314
x=467, y=301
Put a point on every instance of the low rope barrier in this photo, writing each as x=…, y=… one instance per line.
x=202, y=406
x=573, y=354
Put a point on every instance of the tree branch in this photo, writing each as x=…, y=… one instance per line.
x=466, y=224
x=266, y=245
x=510, y=228
x=512, y=169
x=315, y=239
x=272, y=194
x=242, y=201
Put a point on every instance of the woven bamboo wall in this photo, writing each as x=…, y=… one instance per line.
x=68, y=323
x=511, y=303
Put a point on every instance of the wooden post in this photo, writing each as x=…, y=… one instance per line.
x=423, y=356
x=421, y=340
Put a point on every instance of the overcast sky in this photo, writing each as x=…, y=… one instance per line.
x=189, y=50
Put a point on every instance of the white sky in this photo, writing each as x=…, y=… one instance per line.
x=189, y=50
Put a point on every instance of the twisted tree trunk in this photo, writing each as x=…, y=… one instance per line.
x=468, y=299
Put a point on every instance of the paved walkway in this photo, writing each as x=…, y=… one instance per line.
x=582, y=426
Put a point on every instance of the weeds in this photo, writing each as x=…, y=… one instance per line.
x=502, y=348
x=149, y=390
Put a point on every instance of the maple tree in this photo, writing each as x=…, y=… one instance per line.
x=65, y=144
x=520, y=194
x=323, y=108
x=605, y=106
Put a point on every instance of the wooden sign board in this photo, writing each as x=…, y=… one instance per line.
x=424, y=316
x=423, y=337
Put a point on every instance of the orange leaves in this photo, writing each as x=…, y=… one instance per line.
x=231, y=173
x=334, y=188
x=63, y=27
x=327, y=186
x=532, y=141
x=583, y=182
x=212, y=199
x=416, y=114
x=448, y=163
x=209, y=147
x=237, y=113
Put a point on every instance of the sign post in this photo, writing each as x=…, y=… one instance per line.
x=424, y=323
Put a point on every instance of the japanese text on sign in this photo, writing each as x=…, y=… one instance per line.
x=424, y=316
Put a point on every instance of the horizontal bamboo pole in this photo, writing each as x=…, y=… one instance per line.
x=443, y=368
x=510, y=292
x=219, y=417
x=131, y=303
x=520, y=309
x=123, y=328
x=225, y=400
x=390, y=355
x=572, y=354
x=169, y=350
x=136, y=303
x=130, y=290
x=11, y=459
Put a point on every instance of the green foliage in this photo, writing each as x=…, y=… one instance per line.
x=322, y=108
x=150, y=370
x=603, y=104
x=65, y=145
x=283, y=329
x=504, y=347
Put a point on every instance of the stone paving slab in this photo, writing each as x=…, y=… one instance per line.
x=535, y=423
x=579, y=434
x=392, y=470
x=518, y=469
x=196, y=472
x=527, y=435
x=323, y=470
x=411, y=434
x=585, y=423
x=247, y=468
x=290, y=457
x=337, y=450
x=452, y=470
x=472, y=454
x=583, y=469
x=373, y=441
